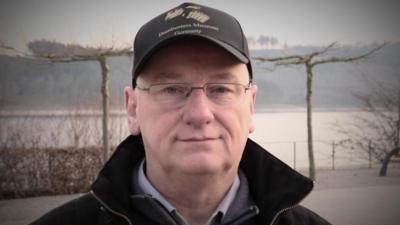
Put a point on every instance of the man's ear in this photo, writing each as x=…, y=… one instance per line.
x=130, y=107
x=253, y=92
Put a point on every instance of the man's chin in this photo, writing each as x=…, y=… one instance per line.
x=202, y=168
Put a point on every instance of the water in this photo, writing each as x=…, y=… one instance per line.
x=283, y=133
x=59, y=129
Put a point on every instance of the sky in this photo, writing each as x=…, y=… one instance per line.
x=294, y=22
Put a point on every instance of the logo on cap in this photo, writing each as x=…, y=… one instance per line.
x=193, y=14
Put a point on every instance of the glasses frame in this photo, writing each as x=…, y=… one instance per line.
x=203, y=87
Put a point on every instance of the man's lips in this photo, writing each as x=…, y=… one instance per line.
x=197, y=139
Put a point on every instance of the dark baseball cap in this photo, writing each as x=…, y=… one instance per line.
x=186, y=21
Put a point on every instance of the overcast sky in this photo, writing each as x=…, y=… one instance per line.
x=305, y=22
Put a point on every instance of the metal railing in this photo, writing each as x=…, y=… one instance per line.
x=327, y=154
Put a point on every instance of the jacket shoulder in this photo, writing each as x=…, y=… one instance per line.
x=300, y=215
x=82, y=210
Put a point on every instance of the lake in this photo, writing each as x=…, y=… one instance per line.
x=281, y=132
x=284, y=134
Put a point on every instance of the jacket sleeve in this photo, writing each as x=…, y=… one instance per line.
x=83, y=210
x=300, y=215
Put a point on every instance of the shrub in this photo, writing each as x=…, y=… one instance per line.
x=33, y=172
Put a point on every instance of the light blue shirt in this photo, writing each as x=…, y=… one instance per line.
x=221, y=210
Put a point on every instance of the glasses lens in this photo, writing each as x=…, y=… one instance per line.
x=224, y=94
x=170, y=94
x=176, y=94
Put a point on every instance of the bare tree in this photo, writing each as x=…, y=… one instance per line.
x=55, y=52
x=376, y=131
x=310, y=61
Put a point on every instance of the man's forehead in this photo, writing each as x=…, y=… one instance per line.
x=160, y=77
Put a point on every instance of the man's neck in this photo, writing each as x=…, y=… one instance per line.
x=194, y=197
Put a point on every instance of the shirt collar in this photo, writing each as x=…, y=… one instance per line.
x=149, y=189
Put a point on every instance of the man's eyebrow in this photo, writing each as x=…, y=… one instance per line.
x=227, y=77
x=164, y=76
x=172, y=76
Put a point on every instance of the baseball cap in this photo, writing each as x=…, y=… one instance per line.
x=190, y=20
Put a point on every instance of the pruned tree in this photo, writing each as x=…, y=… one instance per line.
x=310, y=61
x=55, y=52
x=375, y=132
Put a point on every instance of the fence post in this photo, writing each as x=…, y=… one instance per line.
x=333, y=155
x=294, y=155
x=370, y=154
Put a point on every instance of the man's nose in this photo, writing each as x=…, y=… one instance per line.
x=197, y=111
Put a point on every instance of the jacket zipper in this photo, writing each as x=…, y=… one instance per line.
x=290, y=207
x=109, y=208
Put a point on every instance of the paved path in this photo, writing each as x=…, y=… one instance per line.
x=356, y=197
x=24, y=211
x=357, y=206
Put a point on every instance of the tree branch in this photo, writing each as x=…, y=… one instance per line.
x=295, y=59
x=348, y=59
x=91, y=55
x=292, y=57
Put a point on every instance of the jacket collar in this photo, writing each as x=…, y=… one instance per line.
x=112, y=184
x=273, y=185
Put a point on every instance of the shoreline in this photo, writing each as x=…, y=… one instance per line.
x=121, y=112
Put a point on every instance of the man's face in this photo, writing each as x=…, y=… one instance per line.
x=199, y=137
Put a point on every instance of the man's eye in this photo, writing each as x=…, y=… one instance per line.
x=220, y=89
x=174, y=90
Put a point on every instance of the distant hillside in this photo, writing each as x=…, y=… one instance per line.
x=334, y=85
x=31, y=85
x=41, y=86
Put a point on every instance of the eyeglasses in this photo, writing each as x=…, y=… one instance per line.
x=176, y=94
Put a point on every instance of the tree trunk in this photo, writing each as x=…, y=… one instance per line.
x=312, y=174
x=386, y=161
x=105, y=100
x=396, y=150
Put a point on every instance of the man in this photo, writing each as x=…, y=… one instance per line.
x=189, y=159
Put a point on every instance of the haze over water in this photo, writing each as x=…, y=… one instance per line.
x=275, y=130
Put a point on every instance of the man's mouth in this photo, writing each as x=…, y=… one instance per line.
x=198, y=139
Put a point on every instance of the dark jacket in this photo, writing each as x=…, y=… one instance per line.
x=275, y=188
